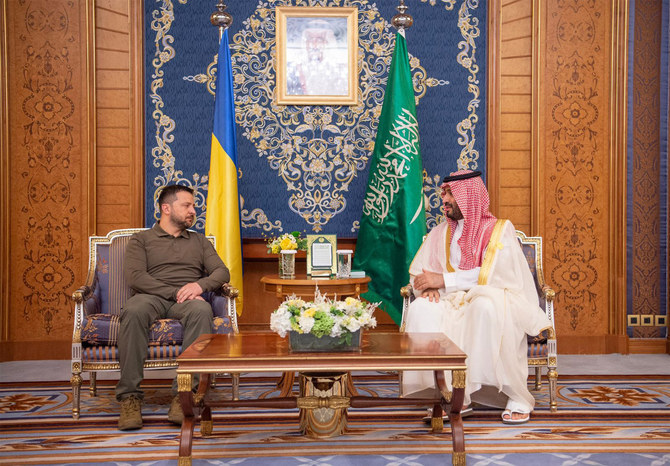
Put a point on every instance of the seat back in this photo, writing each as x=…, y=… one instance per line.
x=105, y=269
x=531, y=246
x=106, y=255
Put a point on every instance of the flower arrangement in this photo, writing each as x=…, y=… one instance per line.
x=323, y=317
x=287, y=241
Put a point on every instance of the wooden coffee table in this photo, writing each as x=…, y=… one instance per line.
x=265, y=352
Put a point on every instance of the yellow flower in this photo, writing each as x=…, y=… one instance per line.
x=275, y=249
x=350, y=301
x=309, y=312
x=287, y=243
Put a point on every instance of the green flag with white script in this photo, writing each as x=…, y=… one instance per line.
x=393, y=222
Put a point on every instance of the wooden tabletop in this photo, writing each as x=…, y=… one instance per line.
x=304, y=286
x=262, y=351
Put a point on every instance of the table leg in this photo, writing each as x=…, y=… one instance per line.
x=285, y=384
x=184, y=382
x=206, y=423
x=457, y=433
x=456, y=398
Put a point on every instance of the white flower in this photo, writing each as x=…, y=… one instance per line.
x=352, y=324
x=337, y=330
x=280, y=321
x=347, y=316
x=306, y=323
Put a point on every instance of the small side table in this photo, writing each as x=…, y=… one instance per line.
x=304, y=287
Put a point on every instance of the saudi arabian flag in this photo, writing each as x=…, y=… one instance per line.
x=393, y=222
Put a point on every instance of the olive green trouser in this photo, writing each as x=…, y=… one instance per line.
x=137, y=315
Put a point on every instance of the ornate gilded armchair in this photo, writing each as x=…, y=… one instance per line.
x=541, y=348
x=97, y=306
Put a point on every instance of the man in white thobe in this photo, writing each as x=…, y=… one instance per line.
x=472, y=282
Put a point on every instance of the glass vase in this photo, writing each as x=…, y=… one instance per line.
x=287, y=264
x=307, y=342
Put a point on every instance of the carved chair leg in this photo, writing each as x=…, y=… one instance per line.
x=235, y=376
x=76, y=390
x=538, y=378
x=552, y=375
x=93, y=383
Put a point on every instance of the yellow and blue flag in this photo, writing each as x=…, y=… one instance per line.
x=222, y=218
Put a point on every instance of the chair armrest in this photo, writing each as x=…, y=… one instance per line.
x=548, y=292
x=86, y=299
x=407, y=294
x=230, y=291
x=223, y=300
x=407, y=291
x=81, y=294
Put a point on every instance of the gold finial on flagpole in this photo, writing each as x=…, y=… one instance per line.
x=221, y=18
x=402, y=20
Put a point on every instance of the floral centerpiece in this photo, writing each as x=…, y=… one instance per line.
x=323, y=325
x=287, y=241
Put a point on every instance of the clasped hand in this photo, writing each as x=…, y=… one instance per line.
x=429, y=284
x=189, y=291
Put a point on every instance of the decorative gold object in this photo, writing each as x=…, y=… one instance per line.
x=402, y=20
x=184, y=382
x=323, y=404
x=458, y=379
x=206, y=428
x=458, y=458
x=437, y=424
x=220, y=18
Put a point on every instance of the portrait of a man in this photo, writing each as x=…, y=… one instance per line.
x=317, y=56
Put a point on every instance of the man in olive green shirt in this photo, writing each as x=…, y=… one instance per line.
x=168, y=268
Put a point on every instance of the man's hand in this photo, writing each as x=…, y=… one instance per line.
x=427, y=280
x=431, y=294
x=189, y=291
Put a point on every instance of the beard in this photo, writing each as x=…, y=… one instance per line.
x=455, y=213
x=183, y=223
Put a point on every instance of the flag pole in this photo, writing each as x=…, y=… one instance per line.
x=222, y=219
x=402, y=20
x=221, y=18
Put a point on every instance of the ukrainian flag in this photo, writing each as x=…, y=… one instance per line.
x=222, y=218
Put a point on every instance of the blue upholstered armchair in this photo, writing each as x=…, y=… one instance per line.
x=541, y=348
x=97, y=306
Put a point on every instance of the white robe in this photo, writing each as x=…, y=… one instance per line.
x=488, y=320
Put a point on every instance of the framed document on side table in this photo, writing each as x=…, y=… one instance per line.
x=321, y=251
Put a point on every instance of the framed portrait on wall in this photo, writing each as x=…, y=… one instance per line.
x=316, y=56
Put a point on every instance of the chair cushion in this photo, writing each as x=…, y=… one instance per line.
x=103, y=329
x=538, y=350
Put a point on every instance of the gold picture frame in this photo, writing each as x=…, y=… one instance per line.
x=321, y=255
x=317, y=55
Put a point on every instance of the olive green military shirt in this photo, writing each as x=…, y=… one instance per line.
x=159, y=264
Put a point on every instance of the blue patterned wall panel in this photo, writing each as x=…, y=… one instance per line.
x=305, y=167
